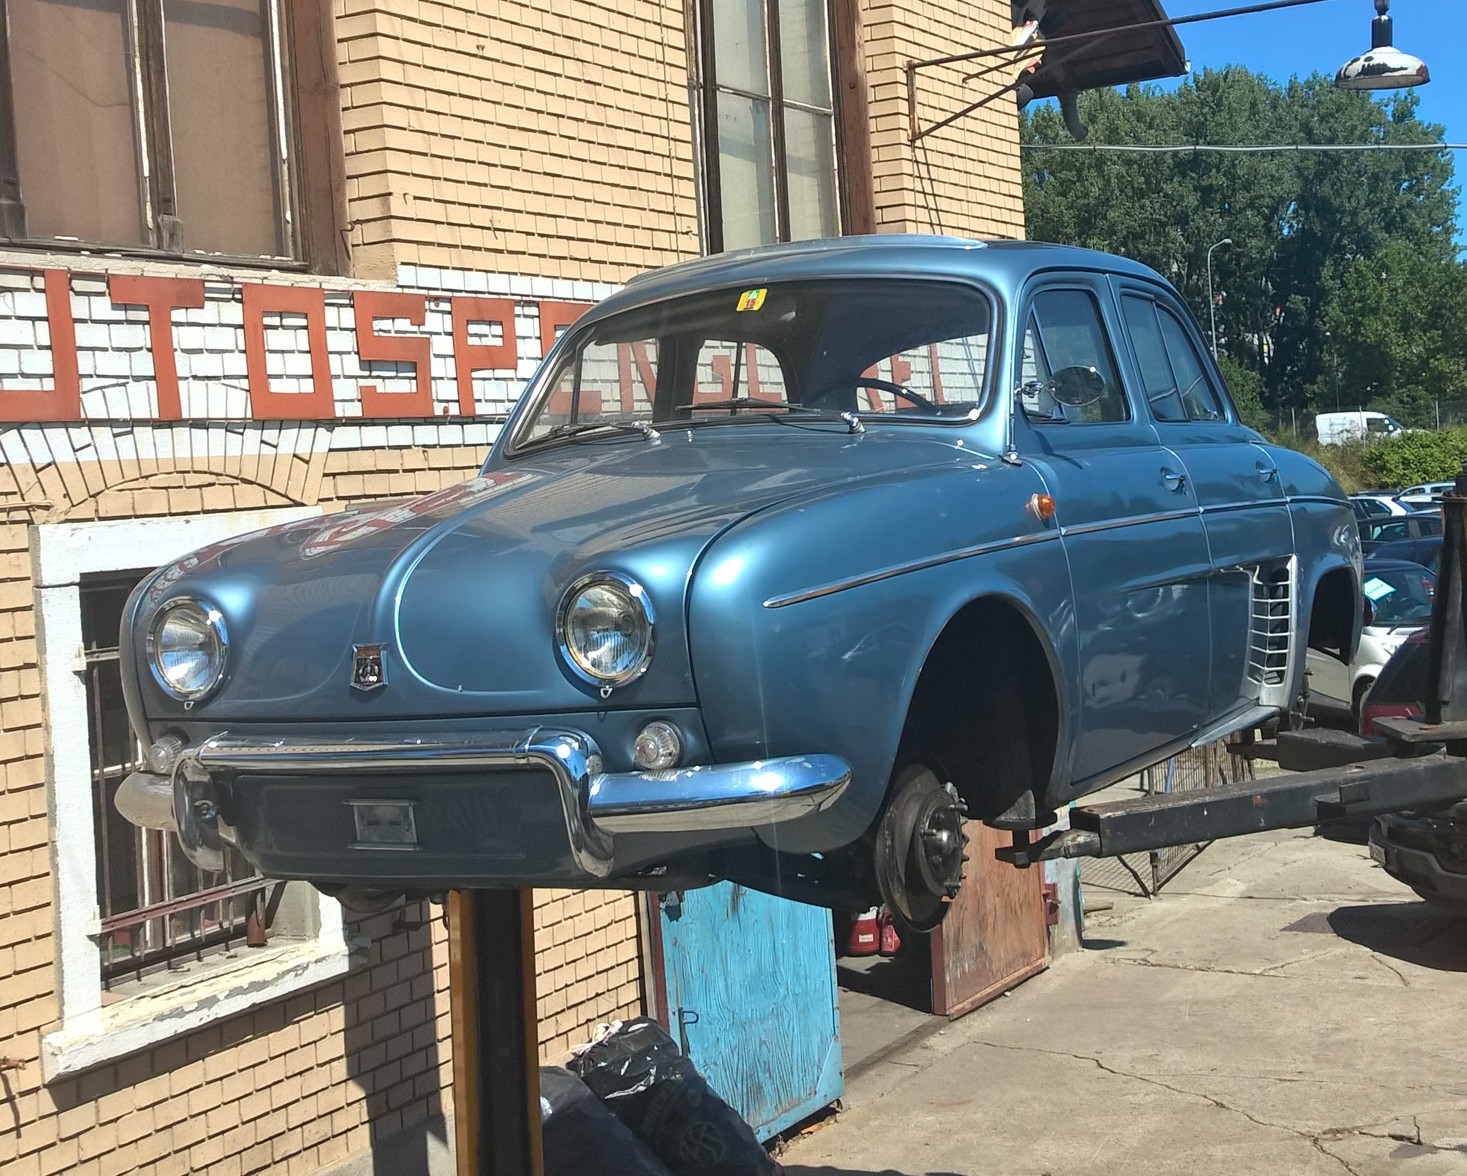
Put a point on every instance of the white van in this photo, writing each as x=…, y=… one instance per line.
x=1335, y=428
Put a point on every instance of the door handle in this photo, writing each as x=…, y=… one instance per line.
x=1174, y=479
x=1267, y=472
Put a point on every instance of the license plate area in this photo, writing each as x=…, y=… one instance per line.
x=384, y=824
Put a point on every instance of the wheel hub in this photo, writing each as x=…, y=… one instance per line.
x=919, y=849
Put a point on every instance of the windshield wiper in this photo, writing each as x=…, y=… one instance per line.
x=734, y=402
x=578, y=428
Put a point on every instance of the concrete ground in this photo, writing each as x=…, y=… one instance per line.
x=1284, y=1007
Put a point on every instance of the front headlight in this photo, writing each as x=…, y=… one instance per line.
x=605, y=629
x=187, y=646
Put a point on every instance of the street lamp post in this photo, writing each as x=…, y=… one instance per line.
x=1211, y=304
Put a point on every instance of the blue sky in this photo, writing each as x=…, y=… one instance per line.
x=1319, y=38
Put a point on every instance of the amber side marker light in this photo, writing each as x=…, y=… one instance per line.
x=1041, y=506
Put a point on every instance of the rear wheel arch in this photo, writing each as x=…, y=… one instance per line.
x=1334, y=613
x=986, y=711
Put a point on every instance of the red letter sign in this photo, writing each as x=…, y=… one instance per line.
x=62, y=402
x=315, y=405
x=160, y=296
x=471, y=357
x=371, y=305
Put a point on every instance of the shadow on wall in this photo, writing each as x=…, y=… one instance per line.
x=390, y=1040
x=263, y=1090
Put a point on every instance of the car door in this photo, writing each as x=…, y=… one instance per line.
x=1245, y=515
x=1131, y=530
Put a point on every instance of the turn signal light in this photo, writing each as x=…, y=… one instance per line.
x=1041, y=506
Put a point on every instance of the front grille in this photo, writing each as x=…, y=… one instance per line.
x=1271, y=615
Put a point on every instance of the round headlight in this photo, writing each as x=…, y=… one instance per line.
x=187, y=646
x=605, y=629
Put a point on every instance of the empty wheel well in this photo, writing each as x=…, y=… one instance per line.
x=1333, y=614
x=985, y=712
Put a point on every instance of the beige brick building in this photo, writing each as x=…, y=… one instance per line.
x=259, y=262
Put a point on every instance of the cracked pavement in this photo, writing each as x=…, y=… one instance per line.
x=1282, y=1007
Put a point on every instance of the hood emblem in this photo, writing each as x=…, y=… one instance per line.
x=368, y=667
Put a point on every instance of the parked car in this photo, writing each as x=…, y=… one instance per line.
x=786, y=561
x=1368, y=507
x=1336, y=428
x=1420, y=524
x=1425, y=494
x=1426, y=551
x=1426, y=851
x=1399, y=595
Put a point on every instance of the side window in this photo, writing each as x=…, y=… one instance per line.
x=1173, y=375
x=1065, y=330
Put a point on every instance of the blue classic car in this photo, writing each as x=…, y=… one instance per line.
x=787, y=561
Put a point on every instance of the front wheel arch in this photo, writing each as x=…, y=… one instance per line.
x=986, y=712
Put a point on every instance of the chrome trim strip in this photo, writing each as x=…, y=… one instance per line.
x=1170, y=516
x=596, y=803
x=718, y=796
x=916, y=565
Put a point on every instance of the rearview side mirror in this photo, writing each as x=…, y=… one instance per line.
x=1077, y=386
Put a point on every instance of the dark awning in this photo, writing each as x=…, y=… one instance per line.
x=1103, y=58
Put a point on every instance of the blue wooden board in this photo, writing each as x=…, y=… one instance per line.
x=752, y=999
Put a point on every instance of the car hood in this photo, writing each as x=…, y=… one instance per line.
x=461, y=587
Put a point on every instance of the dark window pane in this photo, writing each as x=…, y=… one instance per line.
x=1158, y=381
x=1198, y=397
x=219, y=77
x=1071, y=334
x=75, y=145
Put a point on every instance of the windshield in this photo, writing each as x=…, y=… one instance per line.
x=1401, y=596
x=800, y=349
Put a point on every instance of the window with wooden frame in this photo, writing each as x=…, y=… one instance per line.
x=167, y=126
x=771, y=127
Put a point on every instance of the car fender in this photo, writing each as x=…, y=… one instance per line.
x=809, y=623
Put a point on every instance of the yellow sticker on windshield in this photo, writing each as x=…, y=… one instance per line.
x=751, y=300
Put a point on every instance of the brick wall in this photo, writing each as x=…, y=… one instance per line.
x=963, y=180
x=554, y=139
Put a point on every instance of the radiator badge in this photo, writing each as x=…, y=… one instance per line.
x=368, y=667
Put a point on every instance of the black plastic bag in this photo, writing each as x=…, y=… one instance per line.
x=637, y=1071
x=581, y=1137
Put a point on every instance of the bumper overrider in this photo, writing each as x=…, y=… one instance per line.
x=512, y=805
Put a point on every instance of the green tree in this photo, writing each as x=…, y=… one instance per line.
x=1299, y=222
x=1398, y=333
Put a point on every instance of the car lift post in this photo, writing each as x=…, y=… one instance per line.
x=496, y=1074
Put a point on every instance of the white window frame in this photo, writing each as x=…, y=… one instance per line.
x=90, y=1033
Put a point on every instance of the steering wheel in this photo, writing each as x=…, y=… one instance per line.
x=897, y=390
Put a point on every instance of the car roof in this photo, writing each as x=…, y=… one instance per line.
x=1003, y=264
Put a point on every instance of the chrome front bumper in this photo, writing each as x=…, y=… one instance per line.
x=596, y=804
